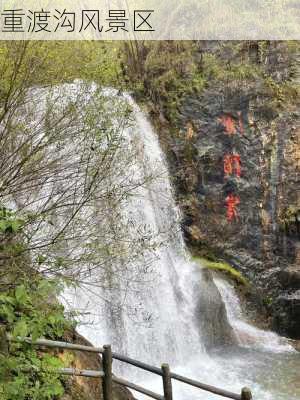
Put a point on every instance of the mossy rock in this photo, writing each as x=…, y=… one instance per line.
x=223, y=267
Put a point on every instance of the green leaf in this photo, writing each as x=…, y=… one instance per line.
x=6, y=299
x=21, y=295
x=21, y=329
x=3, y=226
x=16, y=225
x=41, y=259
x=7, y=312
x=35, y=334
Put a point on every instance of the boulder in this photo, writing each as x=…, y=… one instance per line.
x=290, y=277
x=214, y=326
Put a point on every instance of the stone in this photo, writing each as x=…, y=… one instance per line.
x=290, y=277
x=287, y=314
x=214, y=326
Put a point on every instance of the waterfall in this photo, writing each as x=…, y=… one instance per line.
x=156, y=320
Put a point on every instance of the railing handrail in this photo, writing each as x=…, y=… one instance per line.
x=107, y=357
x=56, y=344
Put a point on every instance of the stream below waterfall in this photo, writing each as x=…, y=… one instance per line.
x=159, y=320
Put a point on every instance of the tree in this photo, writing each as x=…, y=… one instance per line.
x=66, y=170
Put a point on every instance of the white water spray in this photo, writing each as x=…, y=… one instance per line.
x=248, y=335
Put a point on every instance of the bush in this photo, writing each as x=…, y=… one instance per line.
x=30, y=309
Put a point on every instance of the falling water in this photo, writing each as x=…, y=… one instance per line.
x=248, y=335
x=156, y=320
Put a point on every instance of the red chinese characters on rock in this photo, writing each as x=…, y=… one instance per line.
x=227, y=161
x=232, y=201
x=236, y=160
x=232, y=165
x=230, y=124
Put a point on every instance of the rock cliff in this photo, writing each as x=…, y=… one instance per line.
x=227, y=117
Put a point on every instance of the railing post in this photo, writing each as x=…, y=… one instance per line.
x=107, y=369
x=167, y=382
x=246, y=394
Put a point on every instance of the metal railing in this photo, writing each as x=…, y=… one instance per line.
x=108, y=378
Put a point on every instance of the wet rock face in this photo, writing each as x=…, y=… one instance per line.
x=288, y=313
x=290, y=277
x=214, y=326
x=225, y=162
x=235, y=161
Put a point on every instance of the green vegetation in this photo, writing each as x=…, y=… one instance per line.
x=173, y=72
x=95, y=61
x=288, y=220
x=30, y=309
x=24, y=64
x=169, y=71
x=223, y=267
x=9, y=222
x=268, y=301
x=290, y=214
